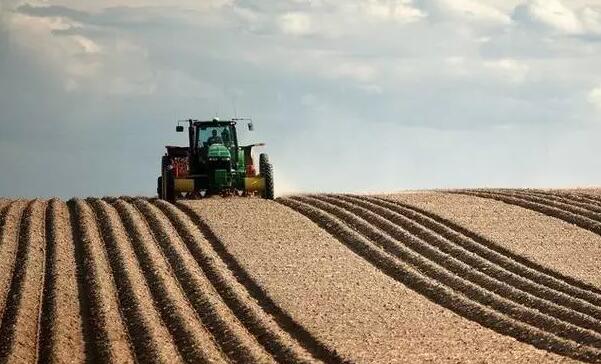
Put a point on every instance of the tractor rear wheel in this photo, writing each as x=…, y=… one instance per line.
x=263, y=159
x=160, y=187
x=170, y=187
x=266, y=171
x=167, y=178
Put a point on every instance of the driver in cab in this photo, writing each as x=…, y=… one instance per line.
x=214, y=138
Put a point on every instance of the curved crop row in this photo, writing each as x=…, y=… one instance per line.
x=449, y=282
x=127, y=280
x=573, y=207
x=10, y=229
x=194, y=341
x=105, y=328
x=497, y=253
x=575, y=215
x=521, y=287
x=283, y=338
x=587, y=197
x=462, y=277
x=588, y=206
x=570, y=199
x=213, y=314
x=21, y=316
x=578, y=209
x=61, y=333
x=151, y=341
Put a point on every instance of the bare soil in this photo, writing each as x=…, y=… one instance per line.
x=463, y=276
x=348, y=304
x=552, y=242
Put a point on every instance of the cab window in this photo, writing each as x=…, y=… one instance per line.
x=215, y=135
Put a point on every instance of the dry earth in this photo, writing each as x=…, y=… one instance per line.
x=455, y=276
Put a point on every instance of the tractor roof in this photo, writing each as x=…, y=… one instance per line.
x=215, y=123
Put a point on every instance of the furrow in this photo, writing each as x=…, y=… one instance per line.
x=227, y=331
x=10, y=221
x=20, y=322
x=494, y=252
x=439, y=291
x=195, y=343
x=590, y=198
x=480, y=257
x=460, y=276
x=549, y=210
x=151, y=340
x=277, y=332
x=104, y=326
x=61, y=334
x=566, y=198
x=572, y=207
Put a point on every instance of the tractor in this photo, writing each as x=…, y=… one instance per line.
x=213, y=164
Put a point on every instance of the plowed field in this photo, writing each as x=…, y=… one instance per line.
x=455, y=276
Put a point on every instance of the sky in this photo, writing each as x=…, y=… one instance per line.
x=349, y=96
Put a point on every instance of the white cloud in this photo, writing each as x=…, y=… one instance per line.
x=296, y=23
x=87, y=45
x=556, y=15
x=476, y=10
x=399, y=10
x=591, y=19
x=103, y=64
x=97, y=6
x=594, y=97
x=353, y=70
x=508, y=69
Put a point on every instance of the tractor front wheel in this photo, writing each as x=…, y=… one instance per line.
x=266, y=171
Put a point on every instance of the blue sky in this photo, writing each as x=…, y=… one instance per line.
x=348, y=95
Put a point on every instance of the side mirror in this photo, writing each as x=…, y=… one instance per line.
x=251, y=127
x=179, y=128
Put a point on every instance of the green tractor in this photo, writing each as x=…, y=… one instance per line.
x=213, y=164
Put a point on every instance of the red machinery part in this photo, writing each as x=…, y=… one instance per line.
x=180, y=167
x=251, y=171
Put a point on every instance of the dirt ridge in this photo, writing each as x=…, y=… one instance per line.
x=277, y=332
x=458, y=276
x=195, y=343
x=496, y=253
x=573, y=200
x=61, y=331
x=151, y=341
x=467, y=251
x=11, y=218
x=214, y=314
x=360, y=238
x=562, y=211
x=20, y=321
x=107, y=334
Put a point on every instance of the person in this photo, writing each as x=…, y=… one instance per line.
x=225, y=136
x=214, y=139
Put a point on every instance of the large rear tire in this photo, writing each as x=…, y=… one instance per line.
x=266, y=171
x=160, y=187
x=170, y=186
x=263, y=159
x=167, y=181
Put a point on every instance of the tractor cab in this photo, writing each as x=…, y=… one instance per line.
x=213, y=163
